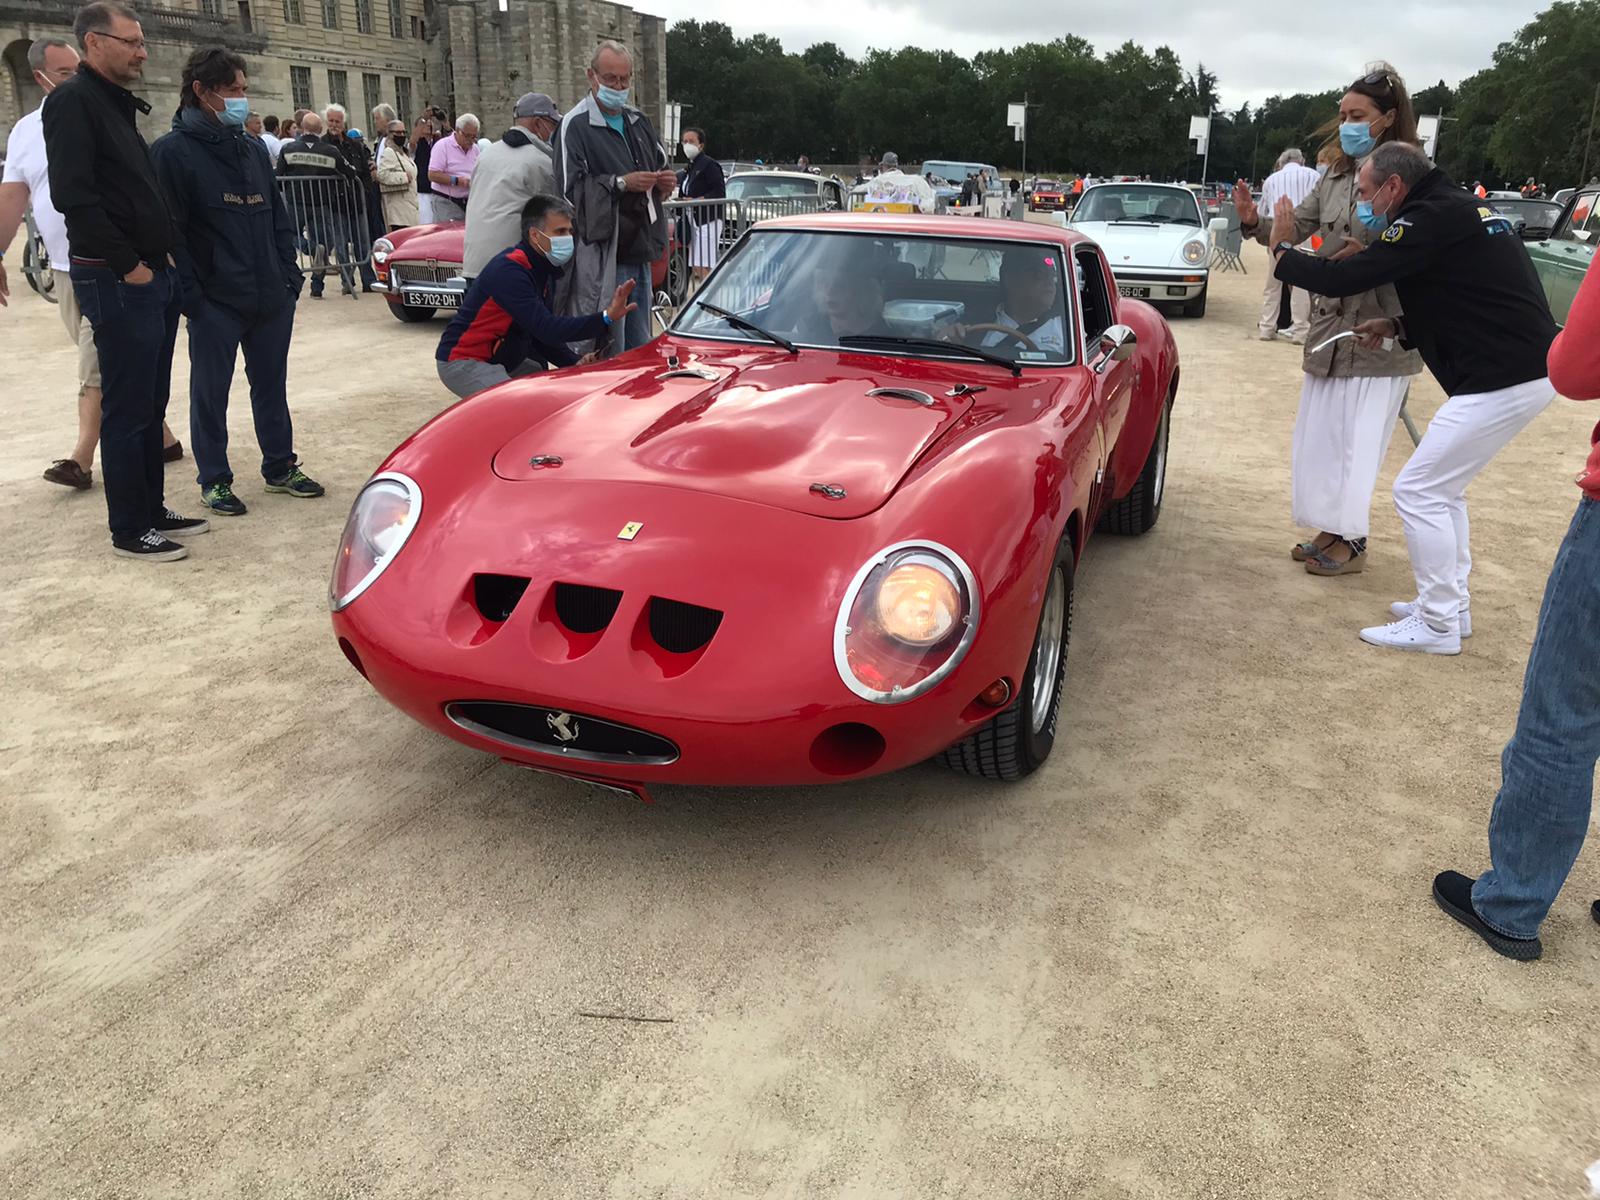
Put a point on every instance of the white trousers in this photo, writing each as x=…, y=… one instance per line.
x=1341, y=435
x=424, y=208
x=1430, y=493
x=1299, y=309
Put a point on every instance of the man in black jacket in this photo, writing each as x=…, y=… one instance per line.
x=1472, y=305
x=121, y=239
x=234, y=245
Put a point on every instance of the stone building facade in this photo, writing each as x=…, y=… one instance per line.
x=463, y=55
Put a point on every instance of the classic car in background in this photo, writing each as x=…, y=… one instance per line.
x=1532, y=219
x=826, y=526
x=1048, y=195
x=1154, y=240
x=764, y=194
x=1564, y=257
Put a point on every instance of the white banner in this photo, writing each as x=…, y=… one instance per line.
x=1016, y=115
x=1428, y=134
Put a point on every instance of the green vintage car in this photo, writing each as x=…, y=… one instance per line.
x=1564, y=256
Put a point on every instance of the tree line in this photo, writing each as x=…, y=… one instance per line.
x=1126, y=111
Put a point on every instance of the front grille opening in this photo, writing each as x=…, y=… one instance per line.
x=682, y=628
x=585, y=609
x=496, y=596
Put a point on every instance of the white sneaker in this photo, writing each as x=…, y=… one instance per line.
x=1407, y=608
x=1412, y=634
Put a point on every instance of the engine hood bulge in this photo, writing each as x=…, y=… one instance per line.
x=755, y=433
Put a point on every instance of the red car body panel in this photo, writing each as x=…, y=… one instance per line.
x=718, y=473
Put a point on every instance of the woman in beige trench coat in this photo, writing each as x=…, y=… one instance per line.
x=1349, y=397
x=397, y=179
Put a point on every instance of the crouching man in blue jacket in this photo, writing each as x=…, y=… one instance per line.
x=506, y=327
x=236, y=262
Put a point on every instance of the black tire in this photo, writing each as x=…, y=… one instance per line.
x=1140, y=509
x=1197, y=306
x=1016, y=743
x=412, y=313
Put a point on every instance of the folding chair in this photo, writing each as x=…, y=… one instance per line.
x=1227, y=242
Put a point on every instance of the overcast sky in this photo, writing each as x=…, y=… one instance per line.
x=1310, y=49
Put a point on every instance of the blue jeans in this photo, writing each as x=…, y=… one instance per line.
x=635, y=330
x=216, y=336
x=1547, y=771
x=135, y=326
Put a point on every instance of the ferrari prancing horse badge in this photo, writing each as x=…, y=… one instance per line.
x=630, y=531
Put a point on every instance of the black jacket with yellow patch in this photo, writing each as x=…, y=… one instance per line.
x=1472, y=302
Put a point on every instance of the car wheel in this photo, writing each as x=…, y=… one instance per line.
x=1197, y=306
x=1140, y=509
x=412, y=313
x=1016, y=743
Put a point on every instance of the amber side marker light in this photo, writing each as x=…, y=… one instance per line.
x=996, y=694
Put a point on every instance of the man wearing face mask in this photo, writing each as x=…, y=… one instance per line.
x=612, y=170
x=239, y=279
x=1472, y=305
x=506, y=326
x=509, y=173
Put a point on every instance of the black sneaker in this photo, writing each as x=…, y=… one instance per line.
x=219, y=498
x=149, y=545
x=296, y=483
x=173, y=526
x=1453, y=892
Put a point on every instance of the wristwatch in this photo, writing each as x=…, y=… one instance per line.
x=1282, y=248
x=622, y=183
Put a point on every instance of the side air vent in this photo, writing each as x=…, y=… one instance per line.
x=496, y=596
x=682, y=628
x=584, y=609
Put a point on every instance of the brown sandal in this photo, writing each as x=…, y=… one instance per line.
x=68, y=473
x=1313, y=548
x=1321, y=564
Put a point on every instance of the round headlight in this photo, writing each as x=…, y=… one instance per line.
x=381, y=249
x=1194, y=253
x=908, y=617
x=380, y=521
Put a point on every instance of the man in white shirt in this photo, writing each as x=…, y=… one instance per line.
x=1291, y=178
x=270, y=138
x=1030, y=304
x=892, y=186
x=27, y=179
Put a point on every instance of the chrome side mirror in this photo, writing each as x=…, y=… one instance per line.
x=1117, y=344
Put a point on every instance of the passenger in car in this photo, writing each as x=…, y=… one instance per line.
x=849, y=300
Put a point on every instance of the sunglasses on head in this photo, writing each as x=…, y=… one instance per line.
x=1379, y=79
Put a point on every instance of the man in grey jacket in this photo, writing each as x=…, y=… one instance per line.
x=613, y=171
x=510, y=172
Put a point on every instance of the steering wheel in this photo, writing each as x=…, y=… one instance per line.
x=991, y=327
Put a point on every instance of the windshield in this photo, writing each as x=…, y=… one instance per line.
x=955, y=173
x=830, y=290
x=1540, y=213
x=1158, y=205
x=745, y=187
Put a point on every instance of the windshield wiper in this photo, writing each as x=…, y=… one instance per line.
x=739, y=322
x=893, y=339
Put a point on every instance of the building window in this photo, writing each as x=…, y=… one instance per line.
x=363, y=16
x=371, y=92
x=338, y=89
x=402, y=98
x=300, y=86
x=416, y=27
x=292, y=14
x=330, y=14
x=397, y=18
x=212, y=7
x=244, y=16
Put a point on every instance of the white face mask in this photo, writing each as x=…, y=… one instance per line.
x=691, y=151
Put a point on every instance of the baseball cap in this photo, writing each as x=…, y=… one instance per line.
x=890, y=159
x=537, y=104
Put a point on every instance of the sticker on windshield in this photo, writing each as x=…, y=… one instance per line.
x=1032, y=354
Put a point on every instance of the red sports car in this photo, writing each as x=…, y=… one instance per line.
x=419, y=269
x=824, y=527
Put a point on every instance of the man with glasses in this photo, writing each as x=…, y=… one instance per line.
x=611, y=168
x=121, y=240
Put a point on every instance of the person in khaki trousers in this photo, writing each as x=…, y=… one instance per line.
x=1292, y=178
x=397, y=180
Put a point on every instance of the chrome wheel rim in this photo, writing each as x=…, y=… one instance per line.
x=1047, y=654
x=1161, y=460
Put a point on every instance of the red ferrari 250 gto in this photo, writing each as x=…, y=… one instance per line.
x=825, y=526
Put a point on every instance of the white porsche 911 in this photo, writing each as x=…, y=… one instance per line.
x=1154, y=240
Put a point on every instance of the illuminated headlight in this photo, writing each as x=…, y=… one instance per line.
x=380, y=521
x=908, y=618
x=1194, y=253
x=381, y=249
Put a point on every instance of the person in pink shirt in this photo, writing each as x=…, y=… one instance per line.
x=1547, y=771
x=450, y=167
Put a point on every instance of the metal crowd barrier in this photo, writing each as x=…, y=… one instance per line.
x=330, y=215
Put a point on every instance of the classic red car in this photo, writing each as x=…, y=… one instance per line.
x=419, y=269
x=825, y=526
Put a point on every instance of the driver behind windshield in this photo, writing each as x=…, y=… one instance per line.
x=1030, y=304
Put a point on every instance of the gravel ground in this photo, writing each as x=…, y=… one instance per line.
x=260, y=936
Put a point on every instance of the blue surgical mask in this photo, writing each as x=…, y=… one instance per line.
x=560, y=249
x=234, y=111
x=612, y=97
x=1356, y=139
x=1377, y=222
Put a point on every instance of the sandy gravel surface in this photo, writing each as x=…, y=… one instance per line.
x=260, y=936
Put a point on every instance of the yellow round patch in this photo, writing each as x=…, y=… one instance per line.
x=1394, y=233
